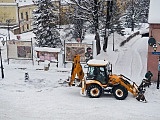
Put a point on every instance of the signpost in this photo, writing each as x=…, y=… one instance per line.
x=158, y=53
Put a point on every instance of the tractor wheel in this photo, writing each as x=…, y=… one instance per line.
x=94, y=91
x=120, y=92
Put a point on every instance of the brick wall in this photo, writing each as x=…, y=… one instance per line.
x=152, y=61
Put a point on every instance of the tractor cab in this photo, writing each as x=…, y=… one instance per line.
x=98, y=70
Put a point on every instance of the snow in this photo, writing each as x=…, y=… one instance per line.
x=144, y=28
x=154, y=12
x=44, y=97
x=4, y=34
x=47, y=49
x=31, y=2
x=97, y=62
x=24, y=2
x=8, y=4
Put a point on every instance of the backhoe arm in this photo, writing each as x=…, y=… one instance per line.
x=76, y=70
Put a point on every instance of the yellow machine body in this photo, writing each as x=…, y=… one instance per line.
x=94, y=84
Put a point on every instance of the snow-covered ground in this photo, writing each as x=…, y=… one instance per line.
x=43, y=98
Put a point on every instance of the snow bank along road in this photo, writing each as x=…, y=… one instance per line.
x=131, y=59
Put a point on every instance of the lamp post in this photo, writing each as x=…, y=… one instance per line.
x=113, y=40
x=2, y=72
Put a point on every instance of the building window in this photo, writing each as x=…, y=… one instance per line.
x=23, y=27
x=27, y=26
x=21, y=15
x=26, y=16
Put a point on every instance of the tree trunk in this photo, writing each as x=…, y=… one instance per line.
x=98, y=46
x=105, y=43
x=108, y=18
x=96, y=21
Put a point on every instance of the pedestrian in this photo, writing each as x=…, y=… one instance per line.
x=148, y=75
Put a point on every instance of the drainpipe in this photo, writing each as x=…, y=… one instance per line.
x=19, y=19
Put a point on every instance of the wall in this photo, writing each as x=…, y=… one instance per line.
x=7, y=1
x=8, y=11
x=26, y=22
x=152, y=63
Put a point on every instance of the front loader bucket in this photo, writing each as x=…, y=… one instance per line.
x=140, y=97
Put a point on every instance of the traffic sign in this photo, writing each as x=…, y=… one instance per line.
x=156, y=53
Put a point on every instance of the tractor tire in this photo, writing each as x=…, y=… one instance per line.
x=120, y=92
x=94, y=91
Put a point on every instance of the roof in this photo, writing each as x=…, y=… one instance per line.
x=95, y=62
x=27, y=2
x=31, y=2
x=47, y=49
x=24, y=2
x=154, y=9
x=8, y=4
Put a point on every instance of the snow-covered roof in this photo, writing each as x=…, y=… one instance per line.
x=30, y=2
x=143, y=31
x=65, y=2
x=8, y=4
x=24, y=2
x=144, y=28
x=154, y=9
x=97, y=62
x=47, y=49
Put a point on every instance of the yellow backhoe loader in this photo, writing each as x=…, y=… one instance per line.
x=100, y=79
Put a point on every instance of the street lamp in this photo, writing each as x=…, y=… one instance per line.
x=155, y=47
